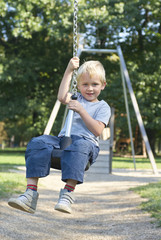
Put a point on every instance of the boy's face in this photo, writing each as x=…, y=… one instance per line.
x=90, y=87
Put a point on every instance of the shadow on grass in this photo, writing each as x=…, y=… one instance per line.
x=8, y=167
x=11, y=161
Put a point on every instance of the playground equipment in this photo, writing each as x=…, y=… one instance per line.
x=125, y=77
x=77, y=51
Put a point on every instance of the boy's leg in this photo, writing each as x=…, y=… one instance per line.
x=37, y=156
x=27, y=202
x=66, y=197
x=70, y=185
x=73, y=163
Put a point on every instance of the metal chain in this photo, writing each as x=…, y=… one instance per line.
x=75, y=18
x=75, y=46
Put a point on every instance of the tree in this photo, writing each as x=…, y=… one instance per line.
x=136, y=26
x=33, y=42
x=34, y=32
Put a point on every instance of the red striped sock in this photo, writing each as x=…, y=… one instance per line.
x=32, y=187
x=69, y=188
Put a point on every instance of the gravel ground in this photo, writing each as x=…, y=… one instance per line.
x=105, y=209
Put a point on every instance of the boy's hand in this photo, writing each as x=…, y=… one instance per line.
x=75, y=106
x=73, y=64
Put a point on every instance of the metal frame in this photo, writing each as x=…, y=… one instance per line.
x=137, y=111
x=125, y=77
x=111, y=125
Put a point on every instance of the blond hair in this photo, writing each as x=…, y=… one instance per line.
x=92, y=68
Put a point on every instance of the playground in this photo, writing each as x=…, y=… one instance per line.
x=106, y=206
x=105, y=209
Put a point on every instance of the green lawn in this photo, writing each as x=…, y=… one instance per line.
x=12, y=158
x=152, y=192
x=141, y=163
x=11, y=182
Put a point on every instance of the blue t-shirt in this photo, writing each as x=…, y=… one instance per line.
x=97, y=110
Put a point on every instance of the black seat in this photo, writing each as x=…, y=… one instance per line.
x=57, y=154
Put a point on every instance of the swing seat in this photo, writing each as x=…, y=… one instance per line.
x=56, y=158
x=57, y=154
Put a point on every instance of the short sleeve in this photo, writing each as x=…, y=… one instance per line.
x=103, y=113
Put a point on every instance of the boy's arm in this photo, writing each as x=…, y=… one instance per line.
x=63, y=93
x=95, y=126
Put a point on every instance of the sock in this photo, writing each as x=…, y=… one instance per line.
x=32, y=187
x=69, y=188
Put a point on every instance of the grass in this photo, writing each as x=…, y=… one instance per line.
x=15, y=149
x=152, y=192
x=141, y=163
x=11, y=182
x=12, y=158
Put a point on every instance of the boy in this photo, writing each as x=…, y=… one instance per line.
x=90, y=118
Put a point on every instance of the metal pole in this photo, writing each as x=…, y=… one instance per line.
x=128, y=114
x=111, y=125
x=137, y=112
x=69, y=123
x=99, y=50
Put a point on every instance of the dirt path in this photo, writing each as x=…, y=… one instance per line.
x=105, y=210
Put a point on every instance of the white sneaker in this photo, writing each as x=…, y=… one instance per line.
x=26, y=202
x=65, y=200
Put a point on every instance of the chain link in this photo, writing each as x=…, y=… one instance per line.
x=75, y=45
x=75, y=18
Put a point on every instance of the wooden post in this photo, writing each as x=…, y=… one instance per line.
x=52, y=117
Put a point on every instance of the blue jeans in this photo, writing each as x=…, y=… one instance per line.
x=73, y=162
